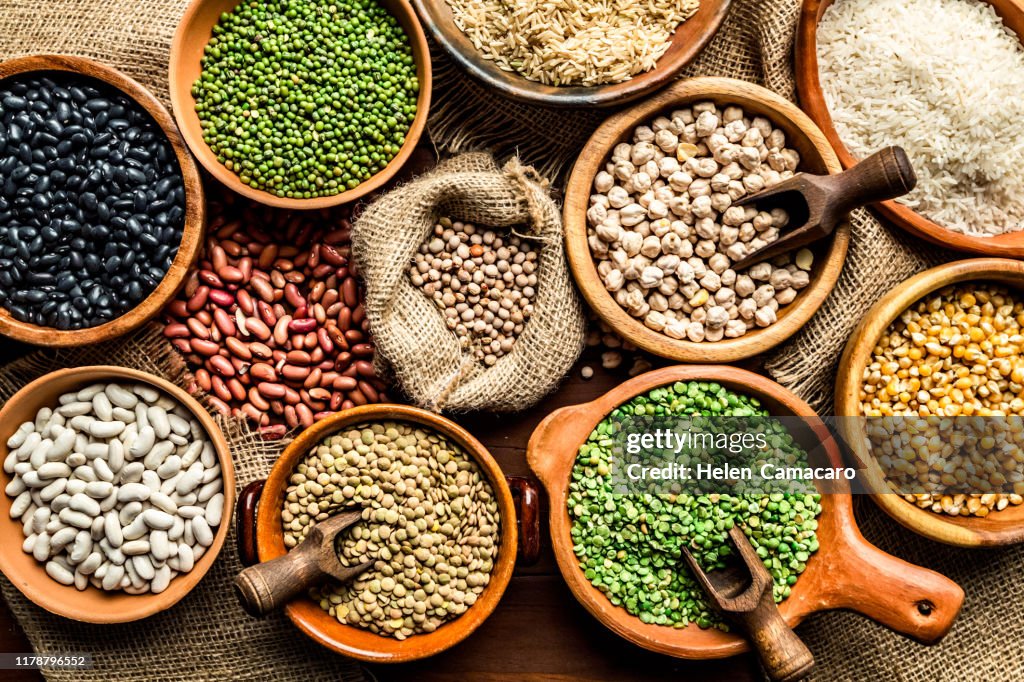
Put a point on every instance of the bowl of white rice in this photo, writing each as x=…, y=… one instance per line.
x=941, y=78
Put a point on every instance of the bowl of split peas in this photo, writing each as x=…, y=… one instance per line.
x=300, y=108
x=931, y=391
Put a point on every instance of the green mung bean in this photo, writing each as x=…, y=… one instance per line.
x=306, y=98
x=629, y=545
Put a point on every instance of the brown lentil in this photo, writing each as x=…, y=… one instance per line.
x=274, y=303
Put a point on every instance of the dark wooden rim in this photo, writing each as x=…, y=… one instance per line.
x=437, y=16
x=812, y=100
x=183, y=105
x=195, y=209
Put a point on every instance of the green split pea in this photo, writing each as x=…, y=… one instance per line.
x=629, y=546
x=306, y=98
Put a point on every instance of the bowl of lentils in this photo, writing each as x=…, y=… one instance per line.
x=653, y=229
x=438, y=524
x=300, y=105
x=101, y=206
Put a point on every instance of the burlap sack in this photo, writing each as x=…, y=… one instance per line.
x=413, y=343
x=206, y=636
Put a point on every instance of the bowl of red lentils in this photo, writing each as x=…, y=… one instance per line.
x=931, y=391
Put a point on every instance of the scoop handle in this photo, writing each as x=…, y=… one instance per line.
x=267, y=587
x=783, y=654
x=884, y=175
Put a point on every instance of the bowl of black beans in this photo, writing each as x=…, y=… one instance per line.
x=101, y=206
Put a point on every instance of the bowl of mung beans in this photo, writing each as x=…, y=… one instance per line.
x=652, y=230
x=619, y=550
x=300, y=105
x=101, y=209
x=439, y=524
x=930, y=392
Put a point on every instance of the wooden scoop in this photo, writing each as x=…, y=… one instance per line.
x=269, y=586
x=744, y=594
x=817, y=203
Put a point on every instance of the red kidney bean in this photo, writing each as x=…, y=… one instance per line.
x=262, y=372
x=314, y=378
x=263, y=289
x=221, y=366
x=281, y=330
x=218, y=404
x=205, y=317
x=325, y=340
x=336, y=401
x=204, y=379
x=292, y=295
x=266, y=314
x=218, y=257
x=210, y=278
x=257, y=399
x=271, y=390
x=222, y=298
x=298, y=357
x=257, y=327
x=304, y=414
x=267, y=256
x=198, y=299
x=357, y=398
x=204, y=347
x=290, y=417
x=302, y=326
x=261, y=350
x=245, y=301
x=230, y=273
x=252, y=413
x=364, y=368
x=318, y=393
x=349, y=292
x=225, y=323
x=344, y=383
x=176, y=330
x=294, y=373
x=273, y=432
x=362, y=350
x=182, y=344
x=369, y=391
x=236, y=388
x=220, y=389
x=353, y=336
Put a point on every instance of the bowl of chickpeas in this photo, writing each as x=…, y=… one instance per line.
x=931, y=394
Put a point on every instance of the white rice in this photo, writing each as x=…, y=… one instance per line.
x=944, y=79
x=572, y=42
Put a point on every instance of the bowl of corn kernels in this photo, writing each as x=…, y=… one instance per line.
x=930, y=392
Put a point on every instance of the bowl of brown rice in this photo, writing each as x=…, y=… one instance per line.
x=601, y=57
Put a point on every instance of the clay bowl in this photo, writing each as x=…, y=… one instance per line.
x=998, y=528
x=847, y=572
x=812, y=100
x=261, y=537
x=195, y=209
x=190, y=39
x=801, y=134
x=93, y=605
x=686, y=43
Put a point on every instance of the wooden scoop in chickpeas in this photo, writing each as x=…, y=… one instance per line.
x=817, y=203
x=269, y=586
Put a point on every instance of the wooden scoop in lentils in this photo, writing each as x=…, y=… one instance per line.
x=483, y=281
x=430, y=524
x=955, y=353
x=272, y=320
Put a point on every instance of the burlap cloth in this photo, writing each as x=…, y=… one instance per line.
x=201, y=638
x=414, y=344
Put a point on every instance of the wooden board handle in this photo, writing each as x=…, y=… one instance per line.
x=245, y=522
x=783, y=654
x=527, y=501
x=269, y=586
x=911, y=600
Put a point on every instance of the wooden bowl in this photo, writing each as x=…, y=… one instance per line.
x=93, y=605
x=816, y=157
x=998, y=528
x=812, y=100
x=323, y=627
x=195, y=209
x=845, y=573
x=686, y=43
x=190, y=39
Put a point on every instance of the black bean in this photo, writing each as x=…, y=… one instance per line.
x=15, y=103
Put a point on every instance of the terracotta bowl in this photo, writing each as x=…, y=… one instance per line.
x=93, y=605
x=190, y=39
x=265, y=541
x=998, y=528
x=846, y=572
x=686, y=43
x=812, y=100
x=816, y=157
x=195, y=209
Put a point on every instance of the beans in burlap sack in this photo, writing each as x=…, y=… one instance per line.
x=414, y=345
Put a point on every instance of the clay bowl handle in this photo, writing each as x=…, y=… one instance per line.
x=914, y=601
x=526, y=496
x=245, y=522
